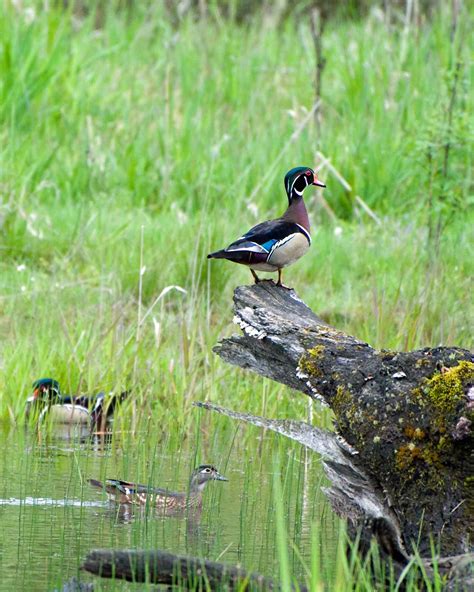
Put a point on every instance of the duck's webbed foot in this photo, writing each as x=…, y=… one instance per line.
x=255, y=276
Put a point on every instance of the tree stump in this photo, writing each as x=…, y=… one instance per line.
x=404, y=420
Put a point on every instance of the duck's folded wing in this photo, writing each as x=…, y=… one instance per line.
x=126, y=487
x=129, y=488
x=265, y=236
x=256, y=245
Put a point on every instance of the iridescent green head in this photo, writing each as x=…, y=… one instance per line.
x=45, y=393
x=46, y=388
x=297, y=179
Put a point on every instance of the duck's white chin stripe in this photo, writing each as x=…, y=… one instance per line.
x=293, y=190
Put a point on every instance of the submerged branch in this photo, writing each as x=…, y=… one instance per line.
x=161, y=567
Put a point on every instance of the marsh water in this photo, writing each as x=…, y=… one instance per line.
x=51, y=517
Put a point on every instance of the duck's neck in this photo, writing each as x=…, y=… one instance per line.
x=194, y=497
x=297, y=213
x=196, y=488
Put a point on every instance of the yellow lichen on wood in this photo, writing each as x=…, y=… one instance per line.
x=406, y=456
x=308, y=362
x=414, y=433
x=427, y=449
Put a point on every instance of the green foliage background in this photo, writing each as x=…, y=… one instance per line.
x=131, y=139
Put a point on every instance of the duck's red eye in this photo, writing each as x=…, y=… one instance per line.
x=309, y=173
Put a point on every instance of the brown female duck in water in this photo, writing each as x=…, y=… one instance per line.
x=168, y=502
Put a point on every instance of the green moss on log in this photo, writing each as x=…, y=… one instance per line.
x=447, y=389
x=444, y=394
x=425, y=451
x=343, y=403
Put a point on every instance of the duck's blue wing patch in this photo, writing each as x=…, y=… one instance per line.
x=244, y=244
x=267, y=245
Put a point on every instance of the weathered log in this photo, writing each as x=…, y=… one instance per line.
x=408, y=415
x=161, y=567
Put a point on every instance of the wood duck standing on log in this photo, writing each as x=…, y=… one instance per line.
x=275, y=244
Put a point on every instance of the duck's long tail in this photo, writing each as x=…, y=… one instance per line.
x=95, y=483
x=239, y=256
x=222, y=254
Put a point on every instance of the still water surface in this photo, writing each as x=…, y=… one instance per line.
x=50, y=517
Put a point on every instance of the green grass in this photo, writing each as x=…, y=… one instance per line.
x=142, y=128
x=142, y=146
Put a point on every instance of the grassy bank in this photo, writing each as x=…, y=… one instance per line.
x=141, y=145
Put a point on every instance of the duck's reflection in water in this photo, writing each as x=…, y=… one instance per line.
x=69, y=438
x=199, y=535
x=128, y=513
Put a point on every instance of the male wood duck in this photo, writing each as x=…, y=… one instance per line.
x=47, y=400
x=167, y=502
x=275, y=244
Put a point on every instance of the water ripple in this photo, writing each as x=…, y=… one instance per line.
x=46, y=501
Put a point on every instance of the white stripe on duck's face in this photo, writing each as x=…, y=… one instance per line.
x=296, y=181
x=302, y=186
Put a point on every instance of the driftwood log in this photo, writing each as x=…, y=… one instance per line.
x=359, y=499
x=402, y=460
x=161, y=567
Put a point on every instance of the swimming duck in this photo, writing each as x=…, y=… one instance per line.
x=275, y=244
x=47, y=399
x=168, y=502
